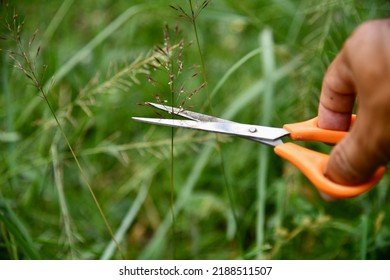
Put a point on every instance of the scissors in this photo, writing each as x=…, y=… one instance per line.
x=310, y=163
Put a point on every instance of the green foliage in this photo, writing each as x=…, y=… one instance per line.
x=263, y=61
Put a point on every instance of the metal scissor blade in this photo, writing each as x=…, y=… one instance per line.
x=186, y=114
x=265, y=134
x=206, y=118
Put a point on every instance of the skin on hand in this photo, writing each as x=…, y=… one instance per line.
x=360, y=71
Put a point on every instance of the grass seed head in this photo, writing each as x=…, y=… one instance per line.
x=169, y=58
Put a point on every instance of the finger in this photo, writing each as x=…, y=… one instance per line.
x=337, y=95
x=360, y=68
x=328, y=119
x=355, y=159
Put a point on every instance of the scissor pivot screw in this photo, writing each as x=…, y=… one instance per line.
x=253, y=129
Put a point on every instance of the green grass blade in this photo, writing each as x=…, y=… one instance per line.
x=233, y=69
x=256, y=89
x=84, y=52
x=20, y=235
x=69, y=229
x=128, y=219
x=56, y=20
x=9, y=122
x=268, y=61
x=364, y=236
x=96, y=41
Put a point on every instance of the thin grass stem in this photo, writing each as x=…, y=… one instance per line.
x=155, y=247
x=81, y=169
x=228, y=188
x=172, y=191
x=203, y=66
x=232, y=202
x=27, y=65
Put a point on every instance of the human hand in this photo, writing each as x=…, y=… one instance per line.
x=362, y=70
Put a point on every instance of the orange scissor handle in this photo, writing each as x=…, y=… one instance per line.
x=309, y=131
x=312, y=165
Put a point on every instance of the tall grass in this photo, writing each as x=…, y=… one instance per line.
x=27, y=64
x=268, y=63
x=98, y=58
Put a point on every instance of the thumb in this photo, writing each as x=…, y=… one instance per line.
x=355, y=159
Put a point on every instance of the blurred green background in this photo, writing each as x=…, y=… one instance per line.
x=228, y=198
